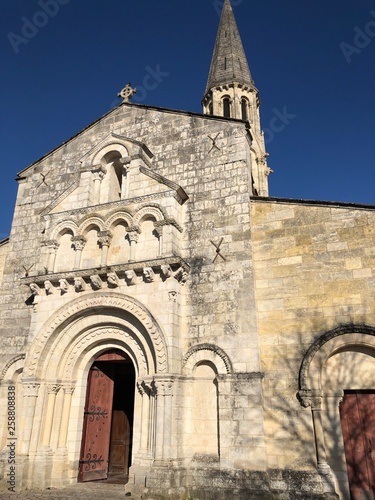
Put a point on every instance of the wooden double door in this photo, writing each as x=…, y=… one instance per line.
x=108, y=419
x=357, y=412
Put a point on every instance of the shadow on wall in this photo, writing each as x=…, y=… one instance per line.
x=347, y=413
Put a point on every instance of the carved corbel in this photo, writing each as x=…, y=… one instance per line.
x=96, y=282
x=48, y=287
x=112, y=280
x=131, y=277
x=34, y=288
x=63, y=286
x=166, y=271
x=79, y=284
x=181, y=275
x=148, y=274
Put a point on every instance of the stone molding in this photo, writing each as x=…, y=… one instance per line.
x=65, y=281
x=207, y=352
x=9, y=364
x=56, y=326
x=362, y=329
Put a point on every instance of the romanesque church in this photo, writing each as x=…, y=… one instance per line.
x=166, y=322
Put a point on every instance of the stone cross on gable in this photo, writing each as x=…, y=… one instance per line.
x=127, y=92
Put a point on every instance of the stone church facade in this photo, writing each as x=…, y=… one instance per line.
x=164, y=320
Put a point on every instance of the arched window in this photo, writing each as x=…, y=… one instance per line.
x=226, y=107
x=112, y=182
x=244, y=109
x=65, y=256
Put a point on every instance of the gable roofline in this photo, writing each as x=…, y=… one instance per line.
x=21, y=173
x=4, y=241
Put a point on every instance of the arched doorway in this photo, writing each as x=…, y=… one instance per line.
x=107, y=437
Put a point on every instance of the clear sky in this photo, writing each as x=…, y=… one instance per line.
x=64, y=61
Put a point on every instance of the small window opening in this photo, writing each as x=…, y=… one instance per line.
x=226, y=104
x=244, y=109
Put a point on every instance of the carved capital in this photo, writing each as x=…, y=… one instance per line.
x=78, y=242
x=52, y=245
x=69, y=388
x=310, y=398
x=31, y=389
x=53, y=388
x=104, y=238
x=164, y=387
x=159, y=231
x=99, y=172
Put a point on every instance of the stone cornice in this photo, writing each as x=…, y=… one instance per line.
x=174, y=262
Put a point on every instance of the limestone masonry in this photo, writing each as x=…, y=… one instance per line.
x=168, y=325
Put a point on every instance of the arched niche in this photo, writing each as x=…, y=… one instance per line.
x=340, y=363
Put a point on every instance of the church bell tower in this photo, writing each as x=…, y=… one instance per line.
x=231, y=92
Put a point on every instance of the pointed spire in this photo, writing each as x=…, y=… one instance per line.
x=229, y=63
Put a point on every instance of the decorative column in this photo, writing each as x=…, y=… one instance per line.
x=52, y=246
x=125, y=161
x=314, y=400
x=159, y=232
x=68, y=393
x=78, y=243
x=52, y=390
x=104, y=238
x=147, y=391
x=98, y=172
x=30, y=395
x=164, y=388
x=133, y=235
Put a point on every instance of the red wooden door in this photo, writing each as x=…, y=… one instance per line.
x=93, y=464
x=357, y=412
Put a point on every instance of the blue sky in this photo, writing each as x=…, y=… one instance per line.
x=312, y=61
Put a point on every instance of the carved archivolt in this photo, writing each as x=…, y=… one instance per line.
x=91, y=222
x=328, y=344
x=64, y=227
x=104, y=309
x=12, y=366
x=207, y=352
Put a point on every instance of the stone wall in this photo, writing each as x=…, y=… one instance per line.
x=3, y=254
x=314, y=271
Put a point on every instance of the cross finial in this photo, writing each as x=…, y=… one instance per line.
x=127, y=92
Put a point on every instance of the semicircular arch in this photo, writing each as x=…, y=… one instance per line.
x=105, y=310
x=207, y=352
x=327, y=345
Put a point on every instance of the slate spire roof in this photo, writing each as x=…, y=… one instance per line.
x=229, y=63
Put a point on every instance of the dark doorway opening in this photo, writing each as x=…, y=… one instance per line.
x=106, y=449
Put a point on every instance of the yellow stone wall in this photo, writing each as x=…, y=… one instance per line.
x=314, y=270
x=3, y=253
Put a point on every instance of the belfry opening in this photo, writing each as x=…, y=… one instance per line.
x=106, y=448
